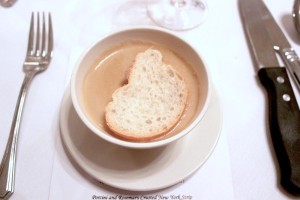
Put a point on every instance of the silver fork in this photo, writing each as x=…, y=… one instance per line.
x=38, y=57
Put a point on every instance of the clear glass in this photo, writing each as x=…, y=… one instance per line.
x=177, y=14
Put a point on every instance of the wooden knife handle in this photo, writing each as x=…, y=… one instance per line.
x=284, y=122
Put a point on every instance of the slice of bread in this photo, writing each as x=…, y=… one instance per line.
x=151, y=103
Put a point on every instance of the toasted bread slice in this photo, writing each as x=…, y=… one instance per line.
x=151, y=103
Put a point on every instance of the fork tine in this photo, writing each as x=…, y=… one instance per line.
x=31, y=35
x=37, y=40
x=43, y=48
x=50, y=37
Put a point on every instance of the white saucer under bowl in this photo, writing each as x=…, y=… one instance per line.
x=140, y=169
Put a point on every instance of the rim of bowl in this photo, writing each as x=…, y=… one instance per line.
x=132, y=144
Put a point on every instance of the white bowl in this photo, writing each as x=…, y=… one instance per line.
x=156, y=35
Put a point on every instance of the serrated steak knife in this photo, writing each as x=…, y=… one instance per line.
x=265, y=39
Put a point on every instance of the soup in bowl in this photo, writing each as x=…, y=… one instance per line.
x=104, y=67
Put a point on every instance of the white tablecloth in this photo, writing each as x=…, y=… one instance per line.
x=243, y=164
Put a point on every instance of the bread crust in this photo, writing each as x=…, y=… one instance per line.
x=151, y=103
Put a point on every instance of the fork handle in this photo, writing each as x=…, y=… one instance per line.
x=8, y=164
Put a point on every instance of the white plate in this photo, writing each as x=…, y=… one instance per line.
x=136, y=169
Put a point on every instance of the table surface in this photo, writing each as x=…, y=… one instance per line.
x=243, y=164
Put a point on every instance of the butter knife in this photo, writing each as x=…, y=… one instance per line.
x=265, y=39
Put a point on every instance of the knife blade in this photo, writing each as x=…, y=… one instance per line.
x=282, y=45
x=284, y=115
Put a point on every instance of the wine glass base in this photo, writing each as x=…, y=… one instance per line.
x=177, y=15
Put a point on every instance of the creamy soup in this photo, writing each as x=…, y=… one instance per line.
x=109, y=73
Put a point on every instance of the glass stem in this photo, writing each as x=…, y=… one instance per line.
x=178, y=3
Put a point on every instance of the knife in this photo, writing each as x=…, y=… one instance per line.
x=265, y=39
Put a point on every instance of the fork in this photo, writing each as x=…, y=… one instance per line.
x=38, y=57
